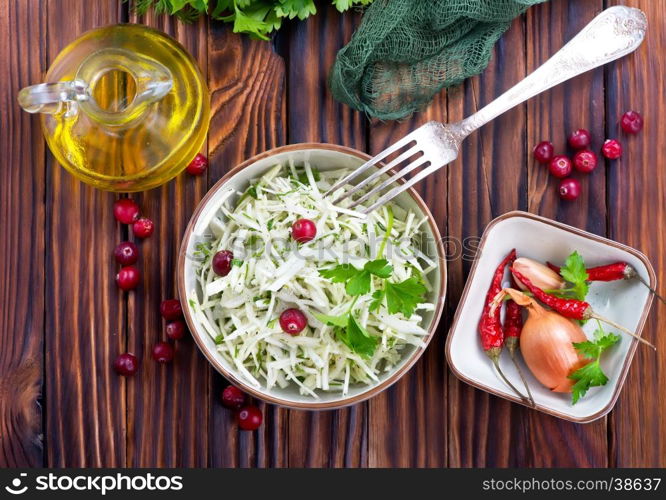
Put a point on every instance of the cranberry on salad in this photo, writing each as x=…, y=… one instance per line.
x=222, y=262
x=303, y=230
x=293, y=321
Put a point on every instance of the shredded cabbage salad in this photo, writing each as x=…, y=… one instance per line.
x=361, y=283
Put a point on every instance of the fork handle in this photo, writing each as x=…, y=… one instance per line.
x=615, y=32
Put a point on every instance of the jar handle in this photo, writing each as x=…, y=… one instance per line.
x=53, y=97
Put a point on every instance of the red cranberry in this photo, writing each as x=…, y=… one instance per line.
x=249, y=418
x=293, y=321
x=126, y=364
x=125, y=210
x=163, y=352
x=128, y=278
x=197, y=166
x=560, y=166
x=569, y=189
x=126, y=253
x=175, y=330
x=631, y=122
x=585, y=161
x=233, y=398
x=170, y=309
x=580, y=139
x=143, y=227
x=612, y=149
x=222, y=262
x=543, y=152
x=303, y=230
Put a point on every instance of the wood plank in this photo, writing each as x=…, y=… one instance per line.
x=408, y=422
x=330, y=438
x=487, y=180
x=553, y=115
x=85, y=423
x=637, y=217
x=168, y=405
x=22, y=214
x=248, y=85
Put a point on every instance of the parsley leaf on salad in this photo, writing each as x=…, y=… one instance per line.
x=357, y=338
x=357, y=281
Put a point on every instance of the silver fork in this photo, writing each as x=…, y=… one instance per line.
x=615, y=32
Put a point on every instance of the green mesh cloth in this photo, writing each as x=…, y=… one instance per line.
x=405, y=51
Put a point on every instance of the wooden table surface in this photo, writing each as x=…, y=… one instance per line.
x=62, y=319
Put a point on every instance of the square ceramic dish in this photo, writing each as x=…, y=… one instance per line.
x=627, y=302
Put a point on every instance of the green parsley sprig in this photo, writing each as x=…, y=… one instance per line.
x=575, y=273
x=591, y=375
x=257, y=18
x=402, y=297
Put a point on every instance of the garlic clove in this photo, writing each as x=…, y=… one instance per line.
x=542, y=276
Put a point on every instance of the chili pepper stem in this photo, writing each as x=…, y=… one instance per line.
x=495, y=359
x=622, y=329
x=512, y=353
x=647, y=285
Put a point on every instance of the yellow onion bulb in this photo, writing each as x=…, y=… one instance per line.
x=540, y=275
x=546, y=344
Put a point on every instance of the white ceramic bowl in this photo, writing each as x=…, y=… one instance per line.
x=626, y=302
x=323, y=157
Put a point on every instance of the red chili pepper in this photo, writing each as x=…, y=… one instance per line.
x=570, y=308
x=613, y=272
x=490, y=326
x=513, y=325
x=609, y=272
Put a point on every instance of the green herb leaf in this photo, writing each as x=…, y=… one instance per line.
x=357, y=281
x=332, y=320
x=380, y=268
x=377, y=299
x=256, y=18
x=340, y=273
x=591, y=375
x=236, y=262
x=343, y=5
x=357, y=338
x=359, y=284
x=219, y=339
x=574, y=272
x=405, y=296
x=295, y=8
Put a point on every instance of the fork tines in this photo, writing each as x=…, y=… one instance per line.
x=420, y=149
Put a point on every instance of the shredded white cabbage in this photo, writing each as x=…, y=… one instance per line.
x=271, y=273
